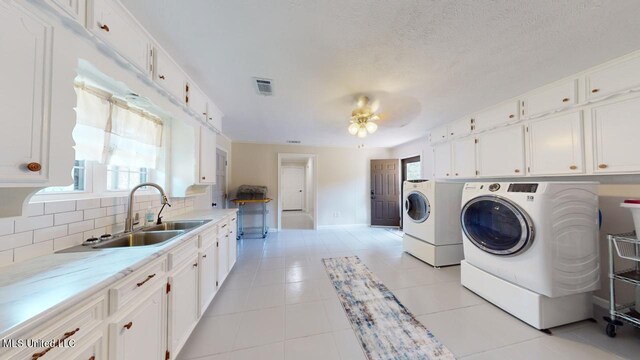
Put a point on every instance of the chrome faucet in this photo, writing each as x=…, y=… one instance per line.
x=128, y=223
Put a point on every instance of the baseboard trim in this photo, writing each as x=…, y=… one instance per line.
x=324, y=227
x=601, y=302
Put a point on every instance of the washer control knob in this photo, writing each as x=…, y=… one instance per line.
x=494, y=187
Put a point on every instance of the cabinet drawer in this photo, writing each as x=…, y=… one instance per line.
x=551, y=99
x=183, y=253
x=135, y=284
x=208, y=237
x=223, y=228
x=615, y=78
x=91, y=348
x=500, y=115
x=70, y=326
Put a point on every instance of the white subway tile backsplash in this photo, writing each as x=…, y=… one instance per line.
x=31, y=251
x=87, y=204
x=67, y=241
x=49, y=233
x=59, y=206
x=16, y=240
x=68, y=217
x=112, y=201
x=34, y=209
x=114, y=210
x=6, y=226
x=105, y=221
x=6, y=257
x=34, y=222
x=95, y=213
x=82, y=226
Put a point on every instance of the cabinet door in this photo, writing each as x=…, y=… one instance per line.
x=208, y=277
x=223, y=257
x=73, y=8
x=207, y=156
x=500, y=115
x=556, y=145
x=233, y=244
x=464, y=157
x=214, y=116
x=141, y=334
x=442, y=159
x=168, y=75
x=501, y=152
x=114, y=25
x=25, y=94
x=439, y=134
x=615, y=78
x=550, y=99
x=616, y=128
x=459, y=128
x=183, y=304
x=197, y=102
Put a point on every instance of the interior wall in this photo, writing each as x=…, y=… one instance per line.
x=419, y=147
x=308, y=178
x=342, y=179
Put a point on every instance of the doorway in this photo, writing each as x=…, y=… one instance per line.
x=385, y=209
x=219, y=193
x=297, y=203
x=411, y=170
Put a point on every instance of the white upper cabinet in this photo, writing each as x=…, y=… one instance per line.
x=550, y=99
x=501, y=153
x=196, y=101
x=459, y=128
x=207, y=170
x=73, y=8
x=464, y=157
x=615, y=128
x=442, y=159
x=214, y=116
x=169, y=76
x=615, y=78
x=439, y=134
x=25, y=95
x=500, y=115
x=118, y=28
x=556, y=145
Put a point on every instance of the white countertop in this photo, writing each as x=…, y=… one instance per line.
x=33, y=291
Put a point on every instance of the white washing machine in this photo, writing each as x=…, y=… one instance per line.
x=532, y=248
x=430, y=221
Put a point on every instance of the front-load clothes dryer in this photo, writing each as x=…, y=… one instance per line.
x=532, y=248
x=430, y=221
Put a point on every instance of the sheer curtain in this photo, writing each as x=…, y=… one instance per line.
x=110, y=132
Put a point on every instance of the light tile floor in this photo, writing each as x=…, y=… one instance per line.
x=278, y=303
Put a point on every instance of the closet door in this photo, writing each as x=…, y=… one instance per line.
x=556, y=145
x=501, y=153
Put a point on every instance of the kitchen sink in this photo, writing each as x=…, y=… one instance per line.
x=176, y=225
x=139, y=239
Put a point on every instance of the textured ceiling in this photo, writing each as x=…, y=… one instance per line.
x=426, y=62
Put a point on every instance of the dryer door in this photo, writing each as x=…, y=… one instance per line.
x=497, y=225
x=416, y=207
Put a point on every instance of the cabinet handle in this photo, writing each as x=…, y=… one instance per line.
x=105, y=27
x=195, y=265
x=511, y=116
x=517, y=170
x=205, y=114
x=595, y=90
x=456, y=174
x=565, y=100
x=34, y=166
x=223, y=225
x=93, y=357
x=128, y=325
x=204, y=256
x=451, y=133
x=234, y=219
x=573, y=167
x=447, y=174
x=161, y=77
x=145, y=280
x=56, y=343
x=603, y=166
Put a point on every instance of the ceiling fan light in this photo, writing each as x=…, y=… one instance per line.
x=374, y=118
x=353, y=129
x=371, y=127
x=362, y=132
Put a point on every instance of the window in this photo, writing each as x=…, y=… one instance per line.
x=120, y=178
x=411, y=168
x=79, y=174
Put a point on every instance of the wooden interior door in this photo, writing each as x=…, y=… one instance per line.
x=385, y=192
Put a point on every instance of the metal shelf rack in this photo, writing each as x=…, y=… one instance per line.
x=626, y=246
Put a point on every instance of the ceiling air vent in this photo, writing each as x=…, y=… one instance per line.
x=293, y=141
x=264, y=86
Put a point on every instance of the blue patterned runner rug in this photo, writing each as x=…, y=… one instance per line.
x=385, y=328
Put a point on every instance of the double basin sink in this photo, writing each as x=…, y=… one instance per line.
x=151, y=235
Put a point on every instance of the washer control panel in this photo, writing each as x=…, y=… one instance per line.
x=494, y=187
x=523, y=188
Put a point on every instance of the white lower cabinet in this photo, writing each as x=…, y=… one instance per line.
x=93, y=348
x=233, y=242
x=464, y=157
x=140, y=334
x=556, y=145
x=223, y=255
x=501, y=153
x=616, y=127
x=184, y=311
x=442, y=159
x=208, y=276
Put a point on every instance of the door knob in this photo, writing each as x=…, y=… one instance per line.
x=299, y=190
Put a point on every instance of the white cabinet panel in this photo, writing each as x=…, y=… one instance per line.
x=113, y=24
x=141, y=333
x=556, y=145
x=459, y=128
x=550, y=99
x=439, y=134
x=464, y=157
x=500, y=115
x=208, y=276
x=618, y=77
x=207, y=156
x=169, y=75
x=183, y=304
x=197, y=101
x=501, y=152
x=223, y=254
x=214, y=116
x=442, y=159
x=73, y=8
x=25, y=94
x=616, y=128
